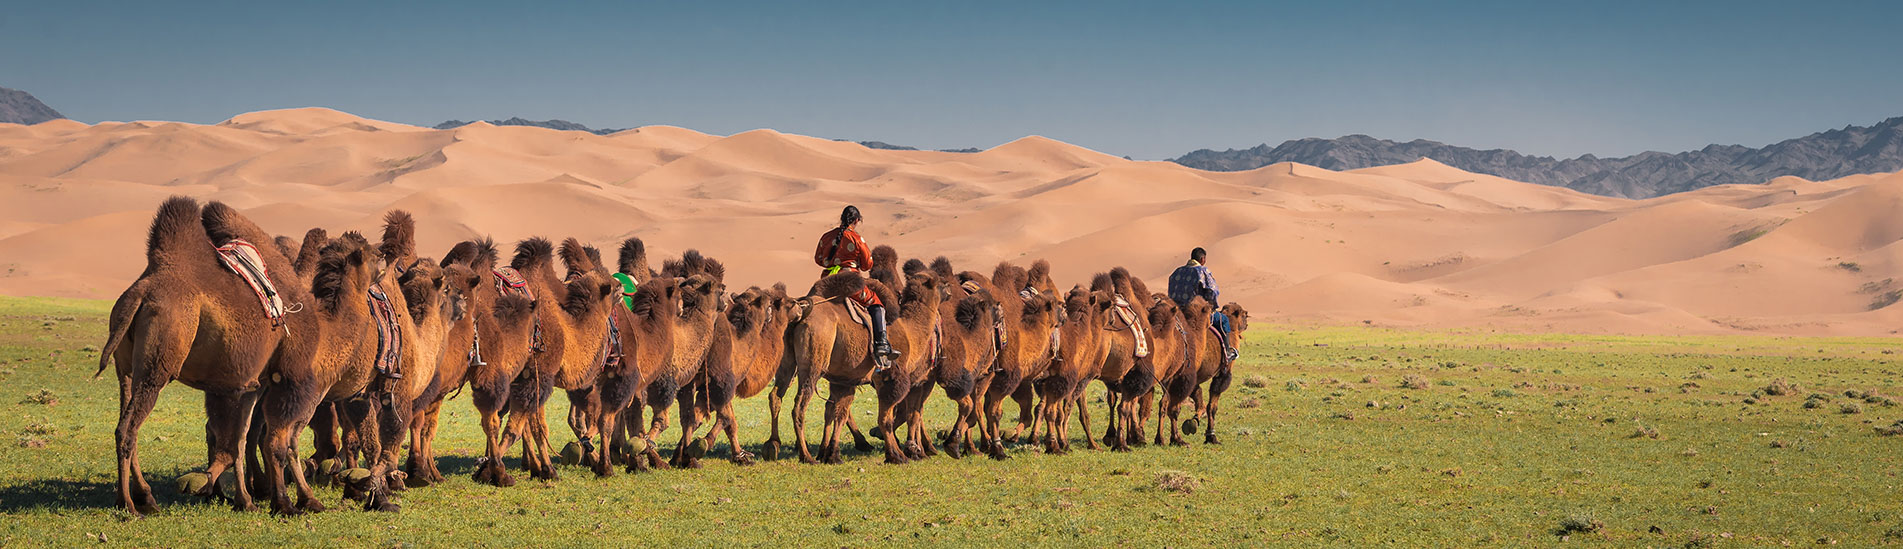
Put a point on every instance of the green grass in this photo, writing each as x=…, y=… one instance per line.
x=1512, y=440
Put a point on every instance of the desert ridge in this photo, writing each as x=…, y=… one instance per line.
x=1417, y=245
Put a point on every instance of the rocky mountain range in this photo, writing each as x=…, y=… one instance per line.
x=18, y=107
x=1819, y=156
x=556, y=124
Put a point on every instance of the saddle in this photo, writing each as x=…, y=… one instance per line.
x=858, y=313
x=997, y=326
x=610, y=354
x=1128, y=315
x=510, y=280
x=389, y=335
x=243, y=259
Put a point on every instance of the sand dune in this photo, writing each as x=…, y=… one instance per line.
x=1413, y=245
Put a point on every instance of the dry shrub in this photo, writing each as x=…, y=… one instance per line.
x=1178, y=482
x=1581, y=523
x=1256, y=381
x=1894, y=429
x=1779, y=387
x=1644, y=431
x=1249, y=403
x=1412, y=381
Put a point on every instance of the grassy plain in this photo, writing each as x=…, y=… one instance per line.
x=1506, y=439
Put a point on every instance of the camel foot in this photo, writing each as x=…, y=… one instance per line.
x=1178, y=442
x=954, y=452
x=742, y=458
x=1211, y=439
x=771, y=450
x=1191, y=425
x=894, y=458
x=861, y=445
x=697, y=449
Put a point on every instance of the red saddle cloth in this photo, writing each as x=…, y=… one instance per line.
x=243, y=259
x=389, y=335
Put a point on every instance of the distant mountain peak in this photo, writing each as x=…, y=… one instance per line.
x=554, y=124
x=1819, y=156
x=19, y=107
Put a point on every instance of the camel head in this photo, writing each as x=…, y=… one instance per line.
x=1238, y=321
x=459, y=283
x=1162, y=312
x=924, y=290
x=1197, y=312
x=1042, y=310
x=589, y=292
x=699, y=293
x=423, y=288
x=759, y=308
x=344, y=268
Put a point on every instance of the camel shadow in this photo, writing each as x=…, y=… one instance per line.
x=58, y=494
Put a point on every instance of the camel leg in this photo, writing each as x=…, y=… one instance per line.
x=285, y=411
x=775, y=398
x=891, y=396
x=800, y=401
x=228, y=422
x=392, y=425
x=327, y=442
x=919, y=441
x=1217, y=386
x=490, y=400
x=690, y=422
x=138, y=394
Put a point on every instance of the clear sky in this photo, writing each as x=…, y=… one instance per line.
x=1149, y=80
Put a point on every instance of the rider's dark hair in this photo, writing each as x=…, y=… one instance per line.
x=849, y=216
x=1198, y=255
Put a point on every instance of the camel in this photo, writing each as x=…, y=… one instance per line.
x=1205, y=353
x=1180, y=334
x=1028, y=297
x=187, y=318
x=758, y=318
x=824, y=342
x=913, y=333
x=1217, y=373
x=573, y=337
x=487, y=349
x=1125, y=375
x=968, y=356
x=1084, y=349
x=673, y=335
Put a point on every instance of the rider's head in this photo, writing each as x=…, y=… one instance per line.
x=1199, y=256
x=850, y=216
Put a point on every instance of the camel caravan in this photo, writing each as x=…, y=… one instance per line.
x=364, y=342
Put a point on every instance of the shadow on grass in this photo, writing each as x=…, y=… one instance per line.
x=61, y=494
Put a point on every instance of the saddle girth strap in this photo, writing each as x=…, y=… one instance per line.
x=242, y=258
x=389, y=361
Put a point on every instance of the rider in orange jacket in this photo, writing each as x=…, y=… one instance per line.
x=842, y=249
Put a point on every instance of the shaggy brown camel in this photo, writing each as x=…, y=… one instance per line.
x=673, y=336
x=1030, y=307
x=1217, y=374
x=759, y=318
x=572, y=341
x=824, y=342
x=968, y=355
x=1205, y=353
x=1084, y=349
x=1179, y=334
x=915, y=334
x=1125, y=375
x=487, y=349
x=188, y=318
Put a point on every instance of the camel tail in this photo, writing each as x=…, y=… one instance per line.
x=119, y=322
x=399, y=236
x=463, y=252
x=173, y=229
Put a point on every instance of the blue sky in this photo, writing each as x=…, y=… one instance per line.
x=1149, y=80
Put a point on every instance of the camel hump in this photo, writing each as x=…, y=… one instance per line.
x=463, y=253
x=307, y=254
x=914, y=266
x=174, y=228
x=942, y=267
x=575, y=255
x=884, y=256
x=399, y=236
x=634, y=259
x=532, y=253
x=1040, y=272
x=840, y=285
x=970, y=311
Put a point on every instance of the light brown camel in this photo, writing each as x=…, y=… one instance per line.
x=824, y=344
x=913, y=333
x=1217, y=374
x=758, y=318
x=1179, y=334
x=1205, y=354
x=188, y=318
x=1084, y=348
x=1030, y=309
x=487, y=349
x=673, y=336
x=573, y=337
x=968, y=355
x=1125, y=375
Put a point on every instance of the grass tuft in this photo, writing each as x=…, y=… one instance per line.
x=1178, y=482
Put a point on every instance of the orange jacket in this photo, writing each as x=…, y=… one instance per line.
x=843, y=248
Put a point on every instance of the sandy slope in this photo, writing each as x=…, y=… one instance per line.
x=1419, y=244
